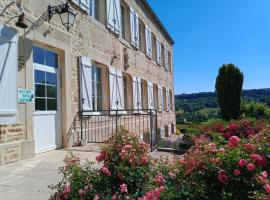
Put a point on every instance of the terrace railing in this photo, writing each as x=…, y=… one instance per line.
x=97, y=126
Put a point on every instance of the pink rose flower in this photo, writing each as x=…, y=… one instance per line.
x=250, y=167
x=161, y=189
x=102, y=156
x=123, y=188
x=144, y=160
x=262, y=162
x=227, y=135
x=106, y=171
x=242, y=162
x=221, y=150
x=249, y=147
x=67, y=189
x=96, y=197
x=236, y=172
x=267, y=188
x=256, y=157
x=222, y=177
x=114, y=197
x=233, y=126
x=234, y=141
x=264, y=174
x=159, y=180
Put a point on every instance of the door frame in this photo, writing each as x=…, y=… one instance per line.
x=59, y=134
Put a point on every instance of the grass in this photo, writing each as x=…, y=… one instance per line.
x=206, y=111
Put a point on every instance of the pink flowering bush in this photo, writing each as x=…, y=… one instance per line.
x=227, y=163
x=242, y=129
x=124, y=173
x=239, y=169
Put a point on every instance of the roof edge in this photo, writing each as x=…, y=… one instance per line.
x=158, y=21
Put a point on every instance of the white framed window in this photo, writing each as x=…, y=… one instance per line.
x=125, y=92
x=91, y=86
x=94, y=9
x=114, y=16
x=96, y=88
x=137, y=93
x=45, y=89
x=167, y=100
x=166, y=58
x=150, y=92
x=148, y=38
x=134, y=28
x=83, y=4
x=91, y=6
x=160, y=98
x=159, y=54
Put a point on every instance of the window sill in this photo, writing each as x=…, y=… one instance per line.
x=91, y=113
x=37, y=112
x=125, y=43
x=77, y=7
x=98, y=24
x=113, y=112
x=148, y=56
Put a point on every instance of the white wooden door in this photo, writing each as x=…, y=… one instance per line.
x=47, y=98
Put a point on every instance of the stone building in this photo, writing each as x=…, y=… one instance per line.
x=116, y=56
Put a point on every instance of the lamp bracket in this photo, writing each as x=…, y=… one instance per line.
x=62, y=8
x=44, y=17
x=47, y=15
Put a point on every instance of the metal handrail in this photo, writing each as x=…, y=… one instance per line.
x=93, y=122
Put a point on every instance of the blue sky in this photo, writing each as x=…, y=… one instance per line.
x=209, y=33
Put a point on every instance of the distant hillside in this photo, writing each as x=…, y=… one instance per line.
x=203, y=105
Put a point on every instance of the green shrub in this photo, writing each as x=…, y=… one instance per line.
x=255, y=110
x=229, y=84
x=186, y=142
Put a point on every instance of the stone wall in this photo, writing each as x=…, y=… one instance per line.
x=13, y=146
x=88, y=37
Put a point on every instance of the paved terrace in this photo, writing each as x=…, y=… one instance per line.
x=29, y=179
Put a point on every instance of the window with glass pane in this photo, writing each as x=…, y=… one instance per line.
x=96, y=88
x=39, y=55
x=123, y=22
x=45, y=91
x=125, y=92
x=94, y=9
x=45, y=57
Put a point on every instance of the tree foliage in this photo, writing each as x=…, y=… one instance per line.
x=200, y=107
x=255, y=109
x=229, y=83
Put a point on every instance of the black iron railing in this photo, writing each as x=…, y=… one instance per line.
x=97, y=126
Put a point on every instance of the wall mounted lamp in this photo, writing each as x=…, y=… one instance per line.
x=65, y=12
